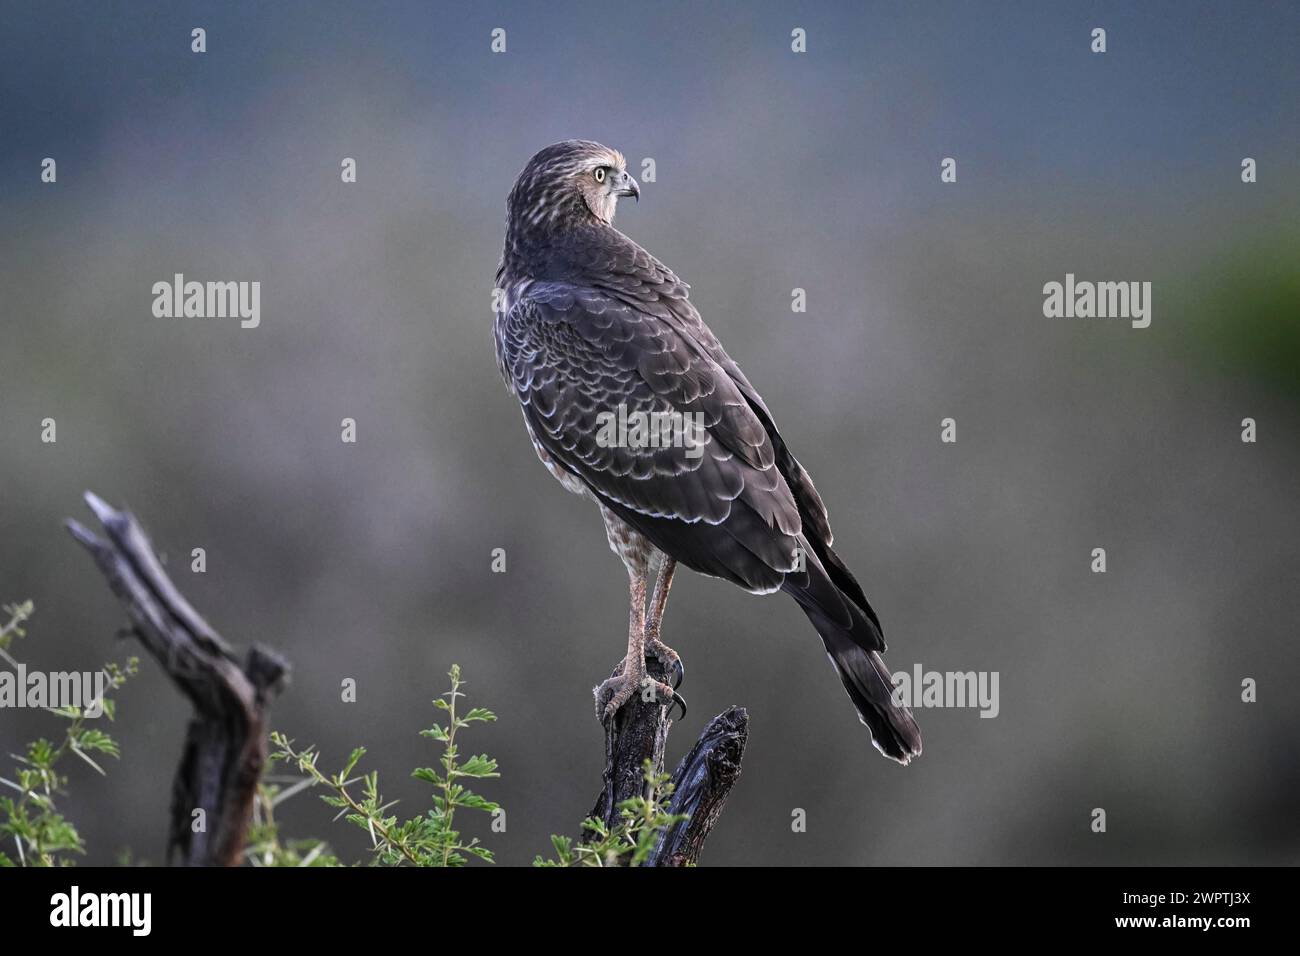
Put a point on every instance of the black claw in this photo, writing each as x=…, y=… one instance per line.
x=676, y=671
x=680, y=701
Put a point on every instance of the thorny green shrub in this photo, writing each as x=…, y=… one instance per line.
x=629, y=842
x=427, y=840
x=29, y=814
x=42, y=836
x=432, y=839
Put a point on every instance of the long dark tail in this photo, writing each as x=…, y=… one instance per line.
x=853, y=642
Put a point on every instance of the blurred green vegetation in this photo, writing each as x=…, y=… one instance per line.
x=1246, y=319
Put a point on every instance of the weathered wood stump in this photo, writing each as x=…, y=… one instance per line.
x=701, y=782
x=225, y=747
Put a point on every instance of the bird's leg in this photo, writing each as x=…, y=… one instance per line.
x=618, y=690
x=658, y=601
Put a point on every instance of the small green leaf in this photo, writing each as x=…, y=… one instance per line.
x=353, y=758
x=478, y=766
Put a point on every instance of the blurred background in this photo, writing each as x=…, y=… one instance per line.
x=774, y=171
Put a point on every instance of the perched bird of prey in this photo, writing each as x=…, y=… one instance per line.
x=589, y=325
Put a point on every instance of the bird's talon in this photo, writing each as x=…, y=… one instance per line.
x=680, y=701
x=617, y=691
x=612, y=695
x=662, y=693
x=669, y=658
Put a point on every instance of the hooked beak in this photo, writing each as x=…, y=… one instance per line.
x=627, y=186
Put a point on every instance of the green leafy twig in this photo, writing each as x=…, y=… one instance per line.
x=264, y=847
x=17, y=614
x=429, y=840
x=629, y=842
x=39, y=831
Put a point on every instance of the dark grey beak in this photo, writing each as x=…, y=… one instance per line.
x=627, y=186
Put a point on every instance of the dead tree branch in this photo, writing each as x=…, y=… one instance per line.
x=225, y=746
x=701, y=782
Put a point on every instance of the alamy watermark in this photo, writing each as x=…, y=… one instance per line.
x=1098, y=300
x=638, y=429
x=922, y=688
x=133, y=911
x=208, y=300
x=54, y=690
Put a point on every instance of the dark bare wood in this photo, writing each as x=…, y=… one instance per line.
x=638, y=732
x=225, y=747
x=701, y=782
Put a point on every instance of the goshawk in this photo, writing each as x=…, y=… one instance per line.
x=594, y=333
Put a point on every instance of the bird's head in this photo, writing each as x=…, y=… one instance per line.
x=570, y=183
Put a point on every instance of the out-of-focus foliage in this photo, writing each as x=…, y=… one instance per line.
x=1247, y=319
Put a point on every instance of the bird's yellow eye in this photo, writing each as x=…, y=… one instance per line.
x=600, y=174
